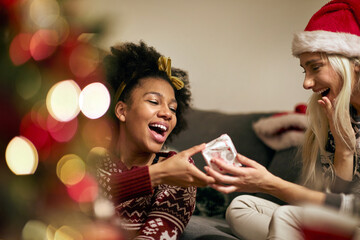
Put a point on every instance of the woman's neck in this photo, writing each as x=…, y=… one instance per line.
x=130, y=157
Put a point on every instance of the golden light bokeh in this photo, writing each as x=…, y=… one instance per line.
x=62, y=100
x=34, y=229
x=50, y=232
x=67, y=233
x=70, y=169
x=21, y=156
x=44, y=12
x=62, y=28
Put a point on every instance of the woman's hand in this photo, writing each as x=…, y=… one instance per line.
x=178, y=171
x=252, y=177
x=328, y=107
x=343, y=159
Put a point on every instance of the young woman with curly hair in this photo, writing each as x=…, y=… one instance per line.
x=153, y=190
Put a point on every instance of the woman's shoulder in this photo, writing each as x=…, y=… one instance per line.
x=102, y=158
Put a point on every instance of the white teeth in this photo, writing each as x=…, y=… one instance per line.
x=321, y=91
x=162, y=127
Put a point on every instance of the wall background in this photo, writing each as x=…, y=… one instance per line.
x=237, y=52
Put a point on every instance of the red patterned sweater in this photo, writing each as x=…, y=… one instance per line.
x=146, y=213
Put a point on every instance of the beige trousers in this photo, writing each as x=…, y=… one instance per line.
x=253, y=218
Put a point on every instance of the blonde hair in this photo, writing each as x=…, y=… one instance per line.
x=316, y=136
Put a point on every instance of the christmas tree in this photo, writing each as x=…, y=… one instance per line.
x=53, y=101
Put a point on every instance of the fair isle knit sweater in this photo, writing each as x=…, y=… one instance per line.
x=145, y=212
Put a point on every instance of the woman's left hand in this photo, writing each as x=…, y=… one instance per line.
x=252, y=177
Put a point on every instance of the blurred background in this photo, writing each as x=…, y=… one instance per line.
x=237, y=52
x=53, y=101
x=53, y=97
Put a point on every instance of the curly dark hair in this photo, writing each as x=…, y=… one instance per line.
x=129, y=63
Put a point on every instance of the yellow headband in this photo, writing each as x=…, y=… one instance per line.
x=164, y=64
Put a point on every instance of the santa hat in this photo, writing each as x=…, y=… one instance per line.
x=334, y=29
x=282, y=130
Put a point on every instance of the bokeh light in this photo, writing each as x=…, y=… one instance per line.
x=70, y=169
x=84, y=191
x=44, y=12
x=103, y=208
x=62, y=131
x=20, y=49
x=34, y=229
x=21, y=156
x=50, y=232
x=32, y=129
x=94, y=100
x=61, y=26
x=67, y=233
x=84, y=59
x=62, y=100
x=43, y=44
x=94, y=155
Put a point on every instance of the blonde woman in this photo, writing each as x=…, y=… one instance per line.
x=329, y=51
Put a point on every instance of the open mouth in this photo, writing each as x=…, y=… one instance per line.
x=158, y=128
x=324, y=92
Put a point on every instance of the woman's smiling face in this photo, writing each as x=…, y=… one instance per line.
x=320, y=77
x=151, y=115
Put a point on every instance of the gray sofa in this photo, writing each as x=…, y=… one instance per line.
x=208, y=221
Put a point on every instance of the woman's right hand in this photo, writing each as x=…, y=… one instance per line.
x=178, y=171
x=252, y=178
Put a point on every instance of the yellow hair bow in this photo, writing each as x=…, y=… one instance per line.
x=165, y=65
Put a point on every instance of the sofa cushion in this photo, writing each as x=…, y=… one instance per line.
x=204, y=126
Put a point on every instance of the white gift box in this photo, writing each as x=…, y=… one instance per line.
x=221, y=148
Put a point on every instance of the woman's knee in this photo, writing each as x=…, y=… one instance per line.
x=286, y=212
x=241, y=205
x=285, y=222
x=238, y=203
